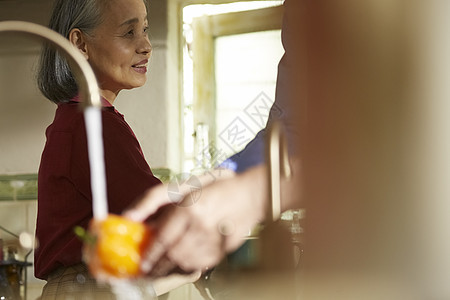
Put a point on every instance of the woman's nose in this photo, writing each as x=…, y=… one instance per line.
x=145, y=47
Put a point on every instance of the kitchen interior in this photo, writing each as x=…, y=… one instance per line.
x=376, y=158
x=177, y=133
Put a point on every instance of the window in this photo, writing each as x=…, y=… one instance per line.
x=230, y=63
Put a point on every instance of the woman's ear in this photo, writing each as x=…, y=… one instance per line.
x=78, y=39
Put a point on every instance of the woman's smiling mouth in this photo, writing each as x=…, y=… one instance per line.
x=141, y=67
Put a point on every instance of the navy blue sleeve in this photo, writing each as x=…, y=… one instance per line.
x=252, y=155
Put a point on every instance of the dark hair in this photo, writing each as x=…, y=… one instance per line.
x=55, y=80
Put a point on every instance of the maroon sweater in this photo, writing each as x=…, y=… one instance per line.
x=64, y=191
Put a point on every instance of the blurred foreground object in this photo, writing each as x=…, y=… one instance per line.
x=376, y=150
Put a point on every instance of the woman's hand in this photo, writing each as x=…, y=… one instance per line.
x=196, y=232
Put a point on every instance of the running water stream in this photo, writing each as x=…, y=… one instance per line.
x=93, y=121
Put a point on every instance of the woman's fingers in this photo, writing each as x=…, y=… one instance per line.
x=187, y=235
x=198, y=249
x=162, y=267
x=171, y=226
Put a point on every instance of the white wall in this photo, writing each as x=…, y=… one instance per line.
x=24, y=115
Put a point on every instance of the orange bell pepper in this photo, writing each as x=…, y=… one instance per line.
x=117, y=248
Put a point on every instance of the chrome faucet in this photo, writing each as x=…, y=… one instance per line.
x=89, y=92
x=82, y=70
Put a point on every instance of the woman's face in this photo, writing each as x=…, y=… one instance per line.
x=118, y=50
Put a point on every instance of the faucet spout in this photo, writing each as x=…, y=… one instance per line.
x=82, y=71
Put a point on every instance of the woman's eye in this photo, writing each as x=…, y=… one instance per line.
x=132, y=31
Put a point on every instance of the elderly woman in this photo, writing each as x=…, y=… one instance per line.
x=112, y=36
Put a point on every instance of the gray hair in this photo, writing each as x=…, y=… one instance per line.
x=54, y=78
